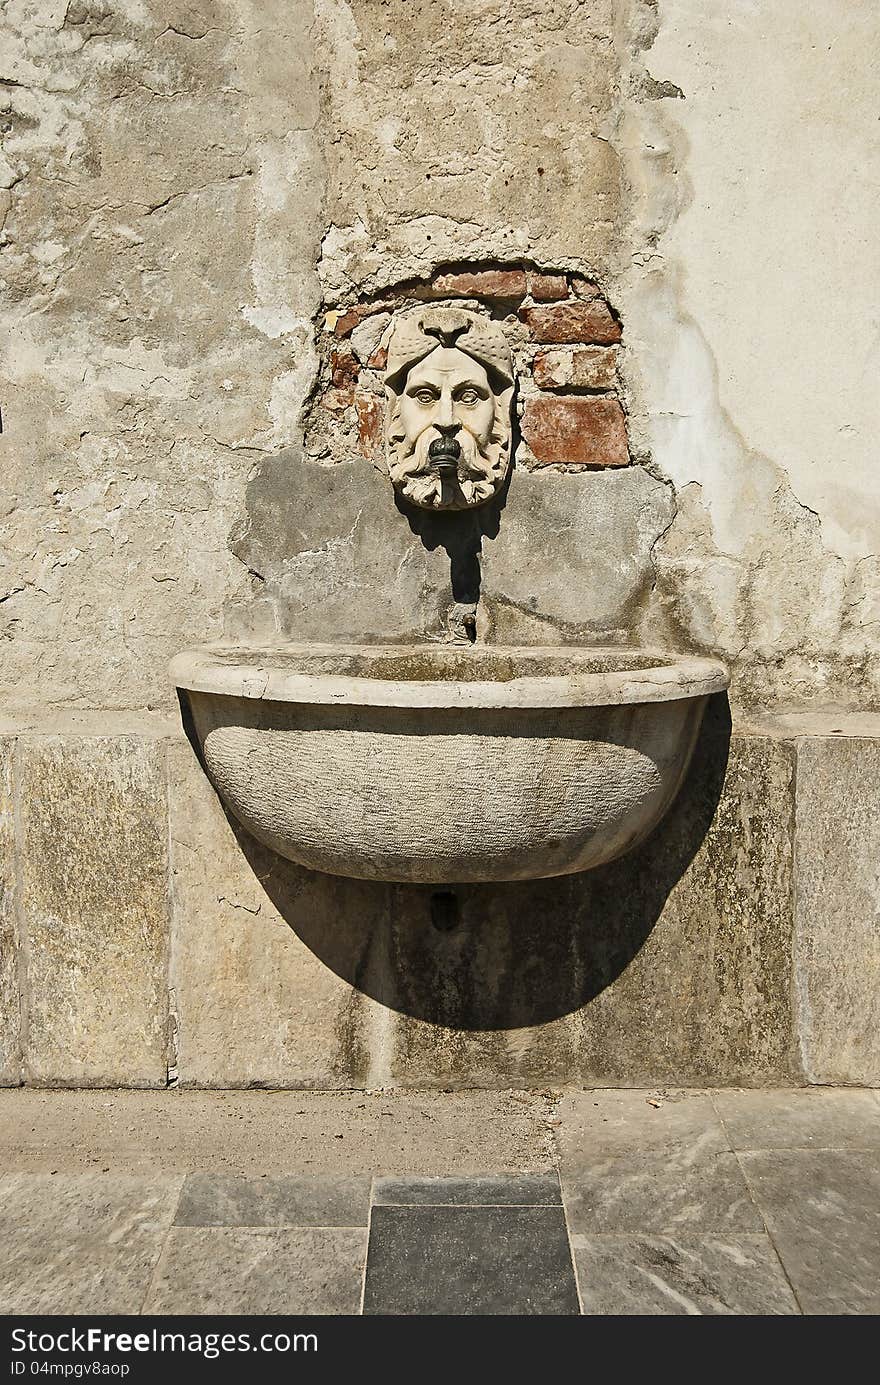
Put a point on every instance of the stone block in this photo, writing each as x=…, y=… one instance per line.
x=256, y=1004
x=590, y=321
x=10, y=1019
x=586, y=367
x=837, y=908
x=576, y=431
x=600, y=527
x=357, y=571
x=95, y=912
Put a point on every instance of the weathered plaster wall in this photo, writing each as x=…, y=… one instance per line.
x=188, y=187
x=752, y=313
x=161, y=212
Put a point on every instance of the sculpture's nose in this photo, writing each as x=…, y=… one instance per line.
x=445, y=420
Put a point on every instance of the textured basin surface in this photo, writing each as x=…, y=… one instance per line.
x=446, y=764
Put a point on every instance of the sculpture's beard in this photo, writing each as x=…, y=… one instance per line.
x=436, y=470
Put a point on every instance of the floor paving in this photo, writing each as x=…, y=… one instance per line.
x=569, y=1203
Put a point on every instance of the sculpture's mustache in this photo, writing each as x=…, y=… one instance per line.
x=444, y=454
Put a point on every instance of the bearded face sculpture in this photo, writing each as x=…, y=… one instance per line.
x=449, y=388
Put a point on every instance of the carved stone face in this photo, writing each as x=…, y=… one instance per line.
x=449, y=390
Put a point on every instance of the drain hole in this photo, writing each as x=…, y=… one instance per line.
x=444, y=911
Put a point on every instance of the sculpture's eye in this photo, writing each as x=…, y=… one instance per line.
x=468, y=396
x=425, y=396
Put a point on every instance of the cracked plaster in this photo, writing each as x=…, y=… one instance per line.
x=186, y=188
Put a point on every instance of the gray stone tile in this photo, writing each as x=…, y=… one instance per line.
x=210, y=1199
x=837, y=908
x=694, y=1275
x=627, y=1165
x=84, y=1243
x=94, y=895
x=823, y=1211
x=800, y=1118
x=488, y=1190
x=275, y=1271
x=469, y=1260
x=687, y=1192
x=608, y=1123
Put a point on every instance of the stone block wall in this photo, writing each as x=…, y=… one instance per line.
x=146, y=939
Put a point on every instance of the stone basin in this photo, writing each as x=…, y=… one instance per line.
x=443, y=763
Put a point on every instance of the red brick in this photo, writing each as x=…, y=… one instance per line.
x=351, y=317
x=576, y=430
x=583, y=367
x=344, y=368
x=573, y=322
x=337, y=401
x=545, y=288
x=369, y=413
x=505, y=284
x=379, y=358
x=584, y=288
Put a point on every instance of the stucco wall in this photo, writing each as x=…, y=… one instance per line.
x=189, y=186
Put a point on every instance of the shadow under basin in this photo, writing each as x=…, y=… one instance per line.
x=497, y=956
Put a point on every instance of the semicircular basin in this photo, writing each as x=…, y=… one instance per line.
x=446, y=763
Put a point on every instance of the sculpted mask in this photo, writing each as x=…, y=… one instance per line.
x=449, y=387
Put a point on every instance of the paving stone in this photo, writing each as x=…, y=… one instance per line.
x=210, y=1199
x=713, y=1275
x=86, y=1243
x=530, y=1190
x=837, y=908
x=10, y=1005
x=254, y=1271
x=822, y=1209
x=94, y=898
x=628, y=1166
x=469, y=1260
x=800, y=1118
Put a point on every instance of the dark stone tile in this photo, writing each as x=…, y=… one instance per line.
x=469, y=1260
x=486, y=1190
x=804, y=1118
x=693, y=1275
x=822, y=1209
x=226, y=1200
x=279, y=1271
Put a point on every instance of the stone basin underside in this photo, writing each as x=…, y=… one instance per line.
x=331, y=771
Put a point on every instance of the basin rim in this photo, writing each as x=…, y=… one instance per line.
x=270, y=674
